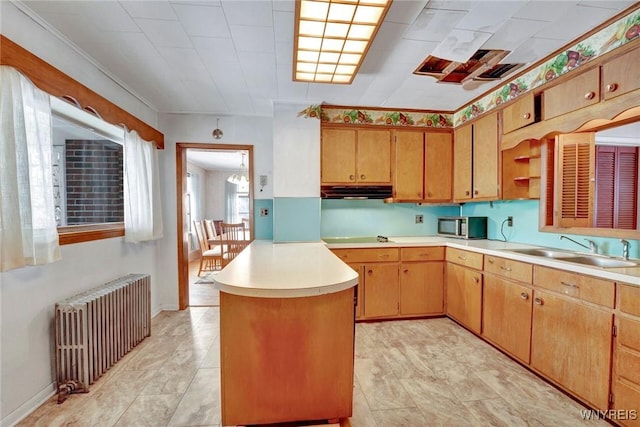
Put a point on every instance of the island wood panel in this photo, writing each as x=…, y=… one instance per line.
x=57, y=83
x=286, y=359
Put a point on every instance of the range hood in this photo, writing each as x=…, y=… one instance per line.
x=356, y=192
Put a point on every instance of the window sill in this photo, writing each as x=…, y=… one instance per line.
x=86, y=233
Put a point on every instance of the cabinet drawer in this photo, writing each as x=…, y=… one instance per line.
x=629, y=297
x=587, y=288
x=466, y=258
x=626, y=398
x=516, y=270
x=627, y=366
x=620, y=75
x=629, y=334
x=433, y=253
x=579, y=92
x=518, y=114
x=367, y=255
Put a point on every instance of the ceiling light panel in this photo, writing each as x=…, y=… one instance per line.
x=332, y=37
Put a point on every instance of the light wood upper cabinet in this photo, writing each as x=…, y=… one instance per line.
x=462, y=158
x=353, y=156
x=571, y=344
x=338, y=155
x=475, y=169
x=579, y=92
x=438, y=165
x=518, y=114
x=575, y=189
x=620, y=75
x=409, y=168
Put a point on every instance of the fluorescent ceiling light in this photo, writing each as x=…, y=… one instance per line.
x=332, y=38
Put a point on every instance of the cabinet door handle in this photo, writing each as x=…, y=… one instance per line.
x=571, y=285
x=362, y=176
x=429, y=194
x=612, y=87
x=476, y=279
x=490, y=260
x=467, y=193
x=505, y=268
x=538, y=301
x=425, y=254
x=589, y=95
x=463, y=258
x=526, y=116
x=383, y=256
x=406, y=270
x=369, y=271
x=524, y=296
x=475, y=192
x=352, y=177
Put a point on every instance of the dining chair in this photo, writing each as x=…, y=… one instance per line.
x=211, y=258
x=210, y=232
x=232, y=240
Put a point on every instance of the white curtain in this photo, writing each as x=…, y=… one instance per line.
x=28, y=233
x=142, y=211
x=231, y=207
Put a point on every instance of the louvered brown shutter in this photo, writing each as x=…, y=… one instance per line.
x=627, y=188
x=603, y=214
x=576, y=158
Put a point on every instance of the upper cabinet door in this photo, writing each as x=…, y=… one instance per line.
x=462, y=152
x=408, y=171
x=579, y=92
x=621, y=75
x=438, y=165
x=576, y=152
x=518, y=114
x=374, y=156
x=485, y=157
x=338, y=154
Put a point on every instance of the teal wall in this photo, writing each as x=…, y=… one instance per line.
x=354, y=218
x=263, y=225
x=525, y=227
x=296, y=219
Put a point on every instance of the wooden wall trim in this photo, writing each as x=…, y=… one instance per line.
x=57, y=83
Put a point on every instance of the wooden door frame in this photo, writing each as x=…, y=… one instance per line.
x=181, y=191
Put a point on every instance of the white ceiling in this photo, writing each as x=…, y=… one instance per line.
x=225, y=160
x=234, y=57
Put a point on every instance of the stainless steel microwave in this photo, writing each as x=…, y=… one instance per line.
x=463, y=227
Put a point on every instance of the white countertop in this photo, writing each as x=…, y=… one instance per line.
x=285, y=270
x=630, y=275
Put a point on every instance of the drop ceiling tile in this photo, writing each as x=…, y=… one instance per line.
x=433, y=25
x=607, y=4
x=405, y=12
x=215, y=49
x=513, y=33
x=228, y=76
x=283, y=6
x=185, y=62
x=451, y=4
x=164, y=33
x=534, y=49
x=262, y=106
x=287, y=88
x=158, y=9
x=75, y=28
x=204, y=20
x=589, y=17
x=107, y=16
x=460, y=45
x=240, y=104
x=47, y=6
x=389, y=34
x=250, y=12
x=253, y=39
x=542, y=10
x=284, y=53
x=489, y=19
x=283, y=26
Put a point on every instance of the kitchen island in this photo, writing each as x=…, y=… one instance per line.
x=286, y=334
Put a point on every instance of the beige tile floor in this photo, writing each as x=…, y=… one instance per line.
x=201, y=294
x=407, y=373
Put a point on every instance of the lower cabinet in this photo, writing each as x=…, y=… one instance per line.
x=464, y=296
x=571, y=344
x=506, y=318
x=626, y=366
x=422, y=288
x=380, y=290
x=359, y=268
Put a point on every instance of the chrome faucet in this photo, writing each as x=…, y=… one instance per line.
x=625, y=249
x=593, y=247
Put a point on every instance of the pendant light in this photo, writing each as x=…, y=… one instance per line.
x=241, y=177
x=217, y=132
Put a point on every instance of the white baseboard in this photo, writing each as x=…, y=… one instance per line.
x=29, y=406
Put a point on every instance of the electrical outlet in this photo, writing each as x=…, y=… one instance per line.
x=509, y=221
x=419, y=219
x=264, y=211
x=263, y=180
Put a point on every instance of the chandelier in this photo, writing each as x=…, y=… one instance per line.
x=241, y=177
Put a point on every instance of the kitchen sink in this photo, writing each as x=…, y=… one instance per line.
x=547, y=253
x=602, y=261
x=577, y=257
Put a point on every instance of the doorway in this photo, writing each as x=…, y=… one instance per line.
x=187, y=208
